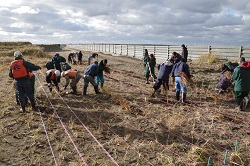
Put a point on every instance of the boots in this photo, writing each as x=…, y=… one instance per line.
x=183, y=97
x=26, y=101
x=153, y=92
x=96, y=90
x=147, y=82
x=101, y=85
x=33, y=104
x=23, y=106
x=84, y=91
x=73, y=90
x=177, y=95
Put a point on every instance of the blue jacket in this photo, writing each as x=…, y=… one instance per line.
x=164, y=71
x=180, y=67
x=92, y=70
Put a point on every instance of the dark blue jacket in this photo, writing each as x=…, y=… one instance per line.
x=92, y=70
x=56, y=60
x=180, y=67
x=164, y=71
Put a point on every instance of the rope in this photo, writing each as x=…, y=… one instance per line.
x=66, y=131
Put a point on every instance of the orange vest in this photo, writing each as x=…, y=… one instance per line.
x=71, y=73
x=52, y=77
x=18, y=69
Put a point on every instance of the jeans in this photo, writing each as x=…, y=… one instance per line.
x=89, y=79
x=179, y=86
x=100, y=79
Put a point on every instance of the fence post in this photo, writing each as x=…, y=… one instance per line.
x=121, y=50
x=209, y=49
x=127, y=50
x=134, y=51
x=168, y=51
x=154, y=50
x=241, y=51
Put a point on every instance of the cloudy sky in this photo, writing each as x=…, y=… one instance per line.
x=192, y=22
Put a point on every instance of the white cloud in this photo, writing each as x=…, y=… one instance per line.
x=25, y=9
x=126, y=21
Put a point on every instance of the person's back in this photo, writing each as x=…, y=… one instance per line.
x=241, y=76
x=56, y=60
x=92, y=70
x=164, y=71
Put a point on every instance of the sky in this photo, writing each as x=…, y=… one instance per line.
x=171, y=22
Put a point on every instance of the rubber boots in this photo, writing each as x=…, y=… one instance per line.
x=96, y=90
x=33, y=104
x=73, y=90
x=23, y=106
x=147, y=82
x=153, y=92
x=177, y=96
x=101, y=85
x=183, y=97
x=84, y=91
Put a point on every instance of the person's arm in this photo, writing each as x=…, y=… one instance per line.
x=186, y=70
x=31, y=66
x=67, y=81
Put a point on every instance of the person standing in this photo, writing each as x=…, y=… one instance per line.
x=72, y=75
x=145, y=58
x=100, y=78
x=180, y=70
x=89, y=77
x=19, y=71
x=241, y=79
x=184, y=52
x=150, y=68
x=79, y=57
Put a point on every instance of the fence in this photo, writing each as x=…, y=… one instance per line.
x=162, y=52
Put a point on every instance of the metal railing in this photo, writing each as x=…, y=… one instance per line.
x=163, y=52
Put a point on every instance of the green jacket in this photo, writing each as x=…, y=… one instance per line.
x=241, y=77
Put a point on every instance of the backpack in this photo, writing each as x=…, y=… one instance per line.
x=65, y=66
x=49, y=65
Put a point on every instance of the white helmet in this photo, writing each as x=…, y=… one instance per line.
x=57, y=73
x=62, y=74
x=18, y=54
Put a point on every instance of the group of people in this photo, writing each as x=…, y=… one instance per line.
x=176, y=66
x=93, y=74
x=238, y=75
x=73, y=56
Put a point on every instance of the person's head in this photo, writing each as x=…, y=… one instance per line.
x=18, y=55
x=56, y=54
x=183, y=45
x=57, y=73
x=241, y=60
x=146, y=50
x=151, y=56
x=224, y=67
x=105, y=61
x=174, y=53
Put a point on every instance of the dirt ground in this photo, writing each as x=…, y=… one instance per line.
x=123, y=125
